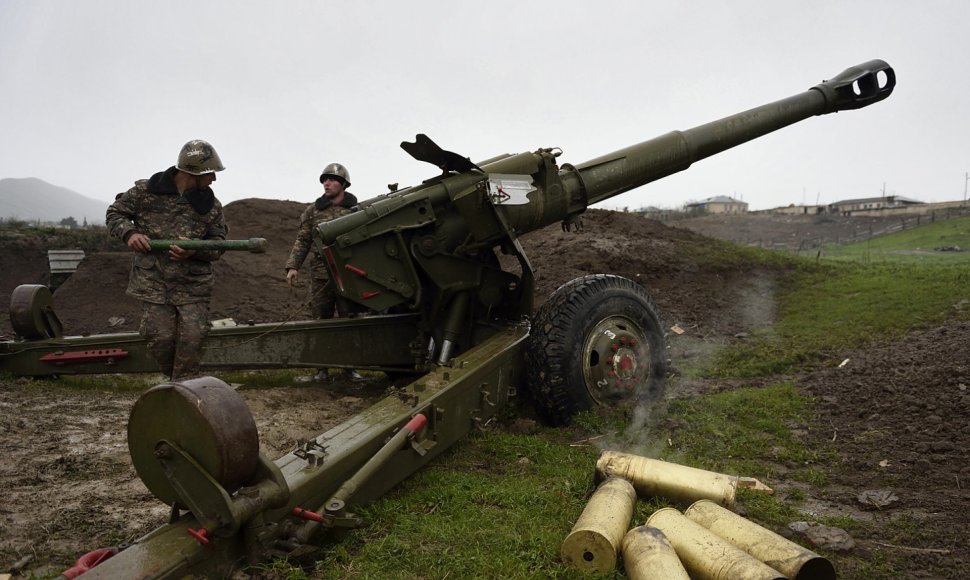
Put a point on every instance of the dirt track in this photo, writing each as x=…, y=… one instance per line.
x=897, y=411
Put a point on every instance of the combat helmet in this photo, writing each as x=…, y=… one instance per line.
x=336, y=170
x=198, y=157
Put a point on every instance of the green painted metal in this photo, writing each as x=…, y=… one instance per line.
x=32, y=312
x=631, y=167
x=255, y=245
x=374, y=343
x=201, y=415
x=455, y=400
x=428, y=243
x=104, y=353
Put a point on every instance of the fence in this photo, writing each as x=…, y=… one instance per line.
x=899, y=224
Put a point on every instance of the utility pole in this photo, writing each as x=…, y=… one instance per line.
x=966, y=178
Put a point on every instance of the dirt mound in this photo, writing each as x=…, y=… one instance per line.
x=896, y=412
x=252, y=286
x=249, y=286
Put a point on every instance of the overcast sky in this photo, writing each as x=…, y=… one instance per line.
x=99, y=93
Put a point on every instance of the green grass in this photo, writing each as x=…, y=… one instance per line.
x=828, y=309
x=914, y=246
x=89, y=239
x=500, y=505
x=718, y=255
x=265, y=379
x=736, y=431
x=496, y=505
x=110, y=383
x=258, y=379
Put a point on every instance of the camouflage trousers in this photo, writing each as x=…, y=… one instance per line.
x=324, y=300
x=175, y=336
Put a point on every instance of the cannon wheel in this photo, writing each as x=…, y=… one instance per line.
x=32, y=313
x=203, y=416
x=598, y=340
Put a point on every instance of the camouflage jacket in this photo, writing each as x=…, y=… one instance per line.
x=316, y=213
x=154, y=207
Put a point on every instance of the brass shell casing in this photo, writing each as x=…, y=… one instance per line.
x=594, y=542
x=652, y=477
x=706, y=555
x=783, y=555
x=648, y=554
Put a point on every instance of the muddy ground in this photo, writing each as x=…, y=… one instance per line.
x=897, y=413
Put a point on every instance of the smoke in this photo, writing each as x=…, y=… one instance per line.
x=643, y=435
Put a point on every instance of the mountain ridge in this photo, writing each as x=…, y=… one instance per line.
x=33, y=199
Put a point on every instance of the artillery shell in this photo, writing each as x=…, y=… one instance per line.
x=706, y=555
x=652, y=477
x=648, y=554
x=594, y=541
x=781, y=554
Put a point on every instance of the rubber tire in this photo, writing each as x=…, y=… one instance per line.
x=561, y=375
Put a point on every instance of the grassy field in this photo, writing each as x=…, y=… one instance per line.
x=90, y=238
x=922, y=245
x=500, y=504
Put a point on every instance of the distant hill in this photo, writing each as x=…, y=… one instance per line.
x=32, y=199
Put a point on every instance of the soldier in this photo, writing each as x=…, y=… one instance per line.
x=335, y=202
x=174, y=285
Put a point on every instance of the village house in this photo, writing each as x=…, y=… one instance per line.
x=720, y=204
x=850, y=206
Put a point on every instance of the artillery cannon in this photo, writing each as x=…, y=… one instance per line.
x=423, y=260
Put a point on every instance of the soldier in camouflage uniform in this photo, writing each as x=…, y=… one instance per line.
x=335, y=202
x=174, y=285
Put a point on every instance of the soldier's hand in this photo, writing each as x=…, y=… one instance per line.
x=177, y=254
x=138, y=242
x=291, y=275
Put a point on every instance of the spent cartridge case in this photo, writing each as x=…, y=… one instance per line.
x=594, y=542
x=648, y=554
x=652, y=477
x=706, y=555
x=787, y=557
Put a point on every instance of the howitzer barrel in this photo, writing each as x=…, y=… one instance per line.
x=631, y=167
x=565, y=192
x=255, y=245
x=383, y=254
